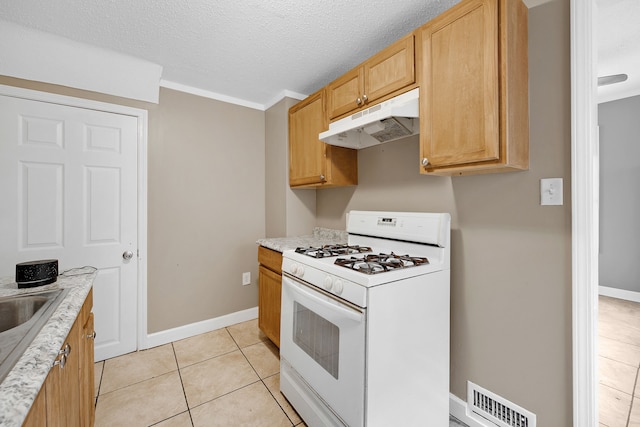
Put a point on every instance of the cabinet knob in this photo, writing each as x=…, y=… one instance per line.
x=359, y=101
x=61, y=362
x=91, y=336
x=365, y=98
x=425, y=161
x=322, y=178
x=65, y=351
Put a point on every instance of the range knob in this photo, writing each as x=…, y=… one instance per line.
x=328, y=283
x=300, y=271
x=294, y=269
x=338, y=286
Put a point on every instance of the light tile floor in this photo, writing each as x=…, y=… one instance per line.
x=227, y=377
x=618, y=362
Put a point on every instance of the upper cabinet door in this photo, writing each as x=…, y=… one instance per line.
x=345, y=93
x=459, y=86
x=390, y=69
x=307, y=154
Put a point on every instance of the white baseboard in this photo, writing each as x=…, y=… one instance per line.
x=187, y=331
x=458, y=408
x=619, y=293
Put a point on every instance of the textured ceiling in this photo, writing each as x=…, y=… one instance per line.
x=253, y=50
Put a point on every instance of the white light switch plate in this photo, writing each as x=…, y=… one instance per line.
x=551, y=191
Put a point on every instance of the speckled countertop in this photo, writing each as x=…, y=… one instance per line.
x=321, y=236
x=21, y=386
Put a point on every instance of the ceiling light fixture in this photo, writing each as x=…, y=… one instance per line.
x=614, y=78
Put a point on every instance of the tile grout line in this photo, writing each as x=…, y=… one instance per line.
x=262, y=379
x=95, y=403
x=232, y=391
x=184, y=392
x=278, y=403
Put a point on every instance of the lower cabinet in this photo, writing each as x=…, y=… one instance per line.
x=37, y=416
x=269, y=293
x=62, y=386
x=66, y=398
x=87, y=379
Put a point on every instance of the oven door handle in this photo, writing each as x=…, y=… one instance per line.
x=352, y=314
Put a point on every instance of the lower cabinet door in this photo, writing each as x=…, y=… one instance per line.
x=37, y=416
x=269, y=291
x=61, y=385
x=87, y=408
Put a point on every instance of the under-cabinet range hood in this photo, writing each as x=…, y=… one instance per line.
x=388, y=121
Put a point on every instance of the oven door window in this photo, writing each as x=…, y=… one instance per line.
x=317, y=337
x=324, y=341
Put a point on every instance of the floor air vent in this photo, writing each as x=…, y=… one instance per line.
x=496, y=409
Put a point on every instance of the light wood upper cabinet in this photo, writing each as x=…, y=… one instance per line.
x=386, y=72
x=473, y=78
x=312, y=163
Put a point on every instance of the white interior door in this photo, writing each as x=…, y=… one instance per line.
x=68, y=185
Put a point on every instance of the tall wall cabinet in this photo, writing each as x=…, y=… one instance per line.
x=474, y=89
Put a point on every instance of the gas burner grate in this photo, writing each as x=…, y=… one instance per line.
x=332, y=250
x=379, y=263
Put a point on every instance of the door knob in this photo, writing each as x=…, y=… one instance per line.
x=127, y=255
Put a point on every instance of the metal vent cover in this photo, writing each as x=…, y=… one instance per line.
x=390, y=129
x=496, y=409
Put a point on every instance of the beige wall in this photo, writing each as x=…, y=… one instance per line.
x=206, y=208
x=511, y=257
x=276, y=165
x=206, y=203
x=288, y=212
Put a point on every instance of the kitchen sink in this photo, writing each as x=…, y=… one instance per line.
x=17, y=310
x=21, y=318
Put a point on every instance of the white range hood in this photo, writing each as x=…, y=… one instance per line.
x=390, y=120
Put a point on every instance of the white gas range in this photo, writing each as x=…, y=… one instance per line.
x=365, y=326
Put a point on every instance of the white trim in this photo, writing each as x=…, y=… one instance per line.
x=619, y=293
x=211, y=95
x=584, y=212
x=142, y=229
x=282, y=95
x=187, y=331
x=229, y=99
x=460, y=410
x=142, y=177
x=53, y=98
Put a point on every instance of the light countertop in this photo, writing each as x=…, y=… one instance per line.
x=321, y=236
x=21, y=386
